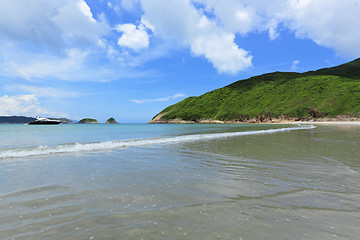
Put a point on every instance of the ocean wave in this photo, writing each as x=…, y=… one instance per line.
x=108, y=145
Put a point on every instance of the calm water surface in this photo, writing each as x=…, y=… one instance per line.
x=138, y=181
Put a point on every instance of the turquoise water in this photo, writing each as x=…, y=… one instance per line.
x=18, y=135
x=138, y=181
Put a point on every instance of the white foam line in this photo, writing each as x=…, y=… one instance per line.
x=78, y=147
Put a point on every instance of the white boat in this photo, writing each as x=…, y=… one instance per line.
x=44, y=121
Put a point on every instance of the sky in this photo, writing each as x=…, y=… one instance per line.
x=129, y=59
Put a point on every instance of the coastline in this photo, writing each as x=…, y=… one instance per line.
x=357, y=122
x=325, y=121
x=209, y=164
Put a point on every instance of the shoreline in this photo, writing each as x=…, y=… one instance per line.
x=277, y=121
x=330, y=122
x=340, y=119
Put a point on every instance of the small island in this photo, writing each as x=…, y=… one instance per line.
x=88, y=120
x=111, y=121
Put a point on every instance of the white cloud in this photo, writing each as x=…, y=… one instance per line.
x=77, y=24
x=210, y=26
x=180, y=20
x=63, y=40
x=221, y=51
x=42, y=39
x=235, y=16
x=294, y=65
x=133, y=37
x=50, y=23
x=50, y=38
x=165, y=99
x=27, y=105
x=333, y=24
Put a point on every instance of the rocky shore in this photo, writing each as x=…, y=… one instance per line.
x=158, y=120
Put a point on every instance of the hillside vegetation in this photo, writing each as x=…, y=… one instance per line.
x=111, y=121
x=328, y=92
x=16, y=119
x=88, y=120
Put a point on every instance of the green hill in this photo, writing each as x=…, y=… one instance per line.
x=16, y=119
x=349, y=70
x=325, y=93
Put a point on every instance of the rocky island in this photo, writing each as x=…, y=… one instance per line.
x=88, y=120
x=329, y=94
x=111, y=121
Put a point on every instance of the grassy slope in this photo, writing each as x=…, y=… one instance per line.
x=327, y=92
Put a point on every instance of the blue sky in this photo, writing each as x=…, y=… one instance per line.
x=129, y=59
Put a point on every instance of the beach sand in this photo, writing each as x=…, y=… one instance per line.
x=329, y=122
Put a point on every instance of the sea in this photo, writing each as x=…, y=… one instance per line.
x=180, y=181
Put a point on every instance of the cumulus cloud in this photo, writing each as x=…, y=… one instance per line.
x=236, y=16
x=27, y=105
x=209, y=27
x=165, y=99
x=49, y=38
x=333, y=24
x=50, y=22
x=222, y=52
x=65, y=40
x=77, y=24
x=134, y=37
x=180, y=20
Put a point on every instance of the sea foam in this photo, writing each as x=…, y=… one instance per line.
x=108, y=145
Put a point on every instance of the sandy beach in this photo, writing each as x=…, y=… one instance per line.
x=180, y=181
x=330, y=123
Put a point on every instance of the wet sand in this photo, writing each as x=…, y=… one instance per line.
x=301, y=184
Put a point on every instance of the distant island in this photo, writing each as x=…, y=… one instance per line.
x=63, y=120
x=92, y=120
x=23, y=119
x=325, y=94
x=88, y=120
x=16, y=119
x=111, y=121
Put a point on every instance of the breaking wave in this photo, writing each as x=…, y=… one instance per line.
x=108, y=145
